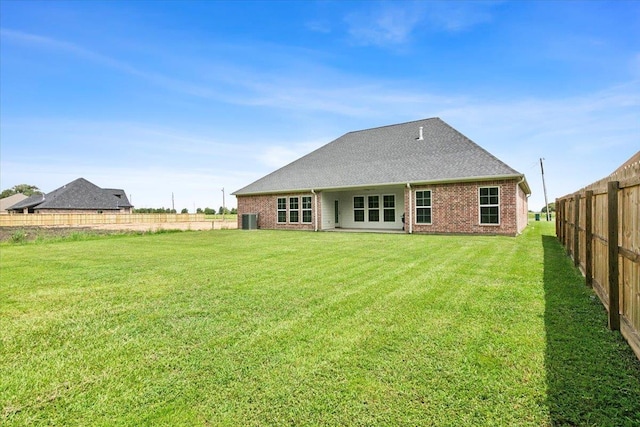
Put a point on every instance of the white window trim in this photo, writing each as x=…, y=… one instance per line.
x=383, y=208
x=293, y=210
x=300, y=209
x=367, y=208
x=303, y=210
x=285, y=210
x=482, y=224
x=415, y=195
x=363, y=208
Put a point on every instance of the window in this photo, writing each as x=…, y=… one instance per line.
x=306, y=209
x=489, y=205
x=374, y=208
x=282, y=209
x=294, y=213
x=389, y=204
x=423, y=207
x=358, y=208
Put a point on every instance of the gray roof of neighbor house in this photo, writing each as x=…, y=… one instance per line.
x=78, y=194
x=387, y=155
x=7, y=202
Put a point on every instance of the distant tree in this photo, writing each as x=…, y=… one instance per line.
x=154, y=210
x=234, y=211
x=223, y=211
x=552, y=208
x=26, y=189
x=199, y=210
x=209, y=211
x=184, y=211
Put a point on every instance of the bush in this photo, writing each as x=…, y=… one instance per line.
x=19, y=236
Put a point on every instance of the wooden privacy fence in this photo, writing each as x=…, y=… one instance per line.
x=600, y=228
x=75, y=220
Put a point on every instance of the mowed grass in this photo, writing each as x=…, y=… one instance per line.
x=296, y=328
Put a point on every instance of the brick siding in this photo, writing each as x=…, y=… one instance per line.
x=455, y=209
x=266, y=206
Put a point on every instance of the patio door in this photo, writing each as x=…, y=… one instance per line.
x=336, y=213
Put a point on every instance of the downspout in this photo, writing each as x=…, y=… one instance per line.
x=315, y=210
x=518, y=213
x=410, y=210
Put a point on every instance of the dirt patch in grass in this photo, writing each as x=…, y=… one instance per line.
x=29, y=234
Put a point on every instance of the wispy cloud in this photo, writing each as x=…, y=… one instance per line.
x=276, y=156
x=164, y=81
x=35, y=40
x=386, y=24
x=390, y=24
x=454, y=16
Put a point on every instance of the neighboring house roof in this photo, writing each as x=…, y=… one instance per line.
x=7, y=202
x=387, y=155
x=78, y=194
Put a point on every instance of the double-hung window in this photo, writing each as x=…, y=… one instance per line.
x=306, y=208
x=389, y=204
x=282, y=209
x=489, y=205
x=358, y=209
x=423, y=207
x=374, y=208
x=294, y=212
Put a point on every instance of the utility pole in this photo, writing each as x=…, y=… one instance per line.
x=223, y=207
x=544, y=187
x=173, y=203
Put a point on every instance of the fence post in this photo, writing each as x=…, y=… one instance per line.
x=588, y=219
x=558, y=220
x=562, y=222
x=614, y=292
x=576, y=230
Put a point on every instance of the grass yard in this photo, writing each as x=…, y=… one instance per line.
x=297, y=328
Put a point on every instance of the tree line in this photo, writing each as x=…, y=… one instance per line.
x=206, y=211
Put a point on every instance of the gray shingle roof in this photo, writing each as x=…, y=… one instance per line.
x=78, y=194
x=386, y=155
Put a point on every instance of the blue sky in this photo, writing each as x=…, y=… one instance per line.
x=160, y=97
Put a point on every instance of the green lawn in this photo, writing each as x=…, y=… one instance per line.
x=296, y=328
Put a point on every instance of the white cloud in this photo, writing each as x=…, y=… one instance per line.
x=454, y=16
x=386, y=24
x=277, y=156
x=319, y=26
x=390, y=24
x=582, y=138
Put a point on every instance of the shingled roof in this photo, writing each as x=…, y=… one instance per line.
x=387, y=155
x=78, y=194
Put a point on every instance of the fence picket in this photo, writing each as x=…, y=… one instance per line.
x=610, y=250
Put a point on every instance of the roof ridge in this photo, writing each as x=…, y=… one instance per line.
x=478, y=145
x=387, y=154
x=396, y=124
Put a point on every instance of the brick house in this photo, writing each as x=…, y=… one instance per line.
x=7, y=202
x=79, y=196
x=420, y=177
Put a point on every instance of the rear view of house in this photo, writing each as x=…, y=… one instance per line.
x=420, y=177
x=79, y=196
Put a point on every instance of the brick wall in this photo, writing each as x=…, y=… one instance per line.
x=455, y=209
x=523, y=210
x=266, y=206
